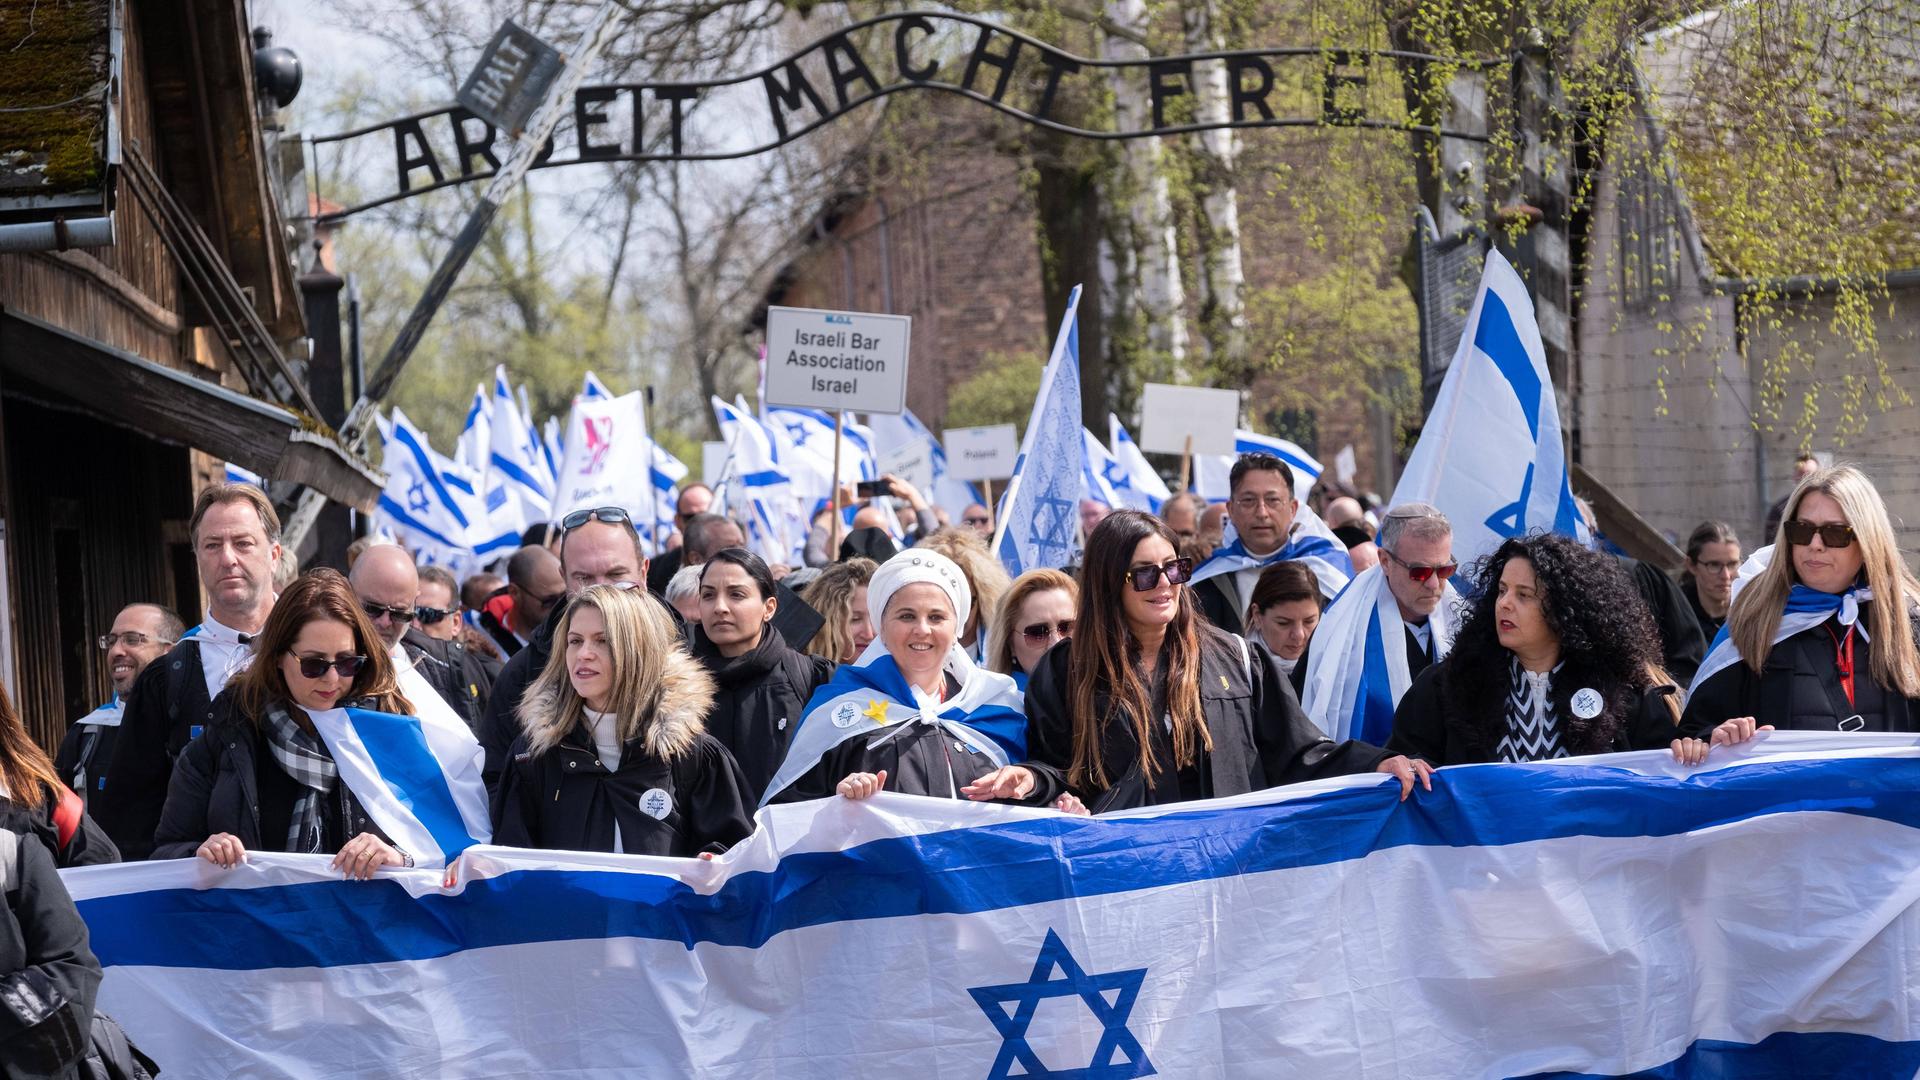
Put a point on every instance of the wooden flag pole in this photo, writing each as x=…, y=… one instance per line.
x=992, y=510
x=1186, y=465
x=839, y=430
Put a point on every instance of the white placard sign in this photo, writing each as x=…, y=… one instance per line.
x=913, y=463
x=982, y=453
x=848, y=360
x=713, y=458
x=1170, y=414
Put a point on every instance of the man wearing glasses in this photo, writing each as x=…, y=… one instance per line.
x=1262, y=509
x=431, y=672
x=534, y=587
x=1416, y=558
x=141, y=634
x=695, y=499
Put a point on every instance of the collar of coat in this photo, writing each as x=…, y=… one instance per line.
x=677, y=720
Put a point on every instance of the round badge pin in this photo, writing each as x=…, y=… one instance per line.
x=1587, y=703
x=846, y=715
x=656, y=804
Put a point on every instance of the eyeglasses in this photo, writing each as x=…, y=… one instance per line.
x=398, y=613
x=1836, y=534
x=313, y=667
x=1716, y=567
x=1247, y=504
x=1421, y=572
x=132, y=638
x=612, y=515
x=432, y=616
x=1176, y=571
x=1040, y=631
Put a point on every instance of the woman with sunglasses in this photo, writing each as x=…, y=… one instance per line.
x=1148, y=703
x=1037, y=611
x=1822, y=639
x=1557, y=656
x=260, y=778
x=614, y=752
x=762, y=683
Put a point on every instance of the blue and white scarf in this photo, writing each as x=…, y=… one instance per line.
x=871, y=694
x=1357, y=669
x=1309, y=541
x=1806, y=608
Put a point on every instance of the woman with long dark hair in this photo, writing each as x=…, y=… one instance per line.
x=35, y=803
x=1148, y=703
x=761, y=684
x=260, y=777
x=1557, y=656
x=1826, y=635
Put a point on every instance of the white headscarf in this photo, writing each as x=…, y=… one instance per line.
x=916, y=566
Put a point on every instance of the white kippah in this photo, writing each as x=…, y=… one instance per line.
x=912, y=567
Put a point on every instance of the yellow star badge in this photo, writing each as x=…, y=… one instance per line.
x=877, y=712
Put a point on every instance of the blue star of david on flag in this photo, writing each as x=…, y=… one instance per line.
x=1052, y=525
x=1110, y=997
x=417, y=497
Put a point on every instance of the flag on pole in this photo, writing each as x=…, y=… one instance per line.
x=1609, y=916
x=1491, y=457
x=424, y=503
x=758, y=489
x=515, y=460
x=805, y=441
x=1099, y=471
x=607, y=459
x=1212, y=473
x=1133, y=479
x=475, y=445
x=553, y=447
x=593, y=389
x=892, y=432
x=666, y=474
x=1039, y=517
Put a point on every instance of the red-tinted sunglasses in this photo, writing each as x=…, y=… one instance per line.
x=1420, y=572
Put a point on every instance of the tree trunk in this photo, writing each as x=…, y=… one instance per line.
x=1222, y=316
x=1146, y=235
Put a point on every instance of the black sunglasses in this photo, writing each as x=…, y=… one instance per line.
x=313, y=667
x=1835, y=535
x=1040, y=631
x=432, y=616
x=1176, y=571
x=612, y=515
x=397, y=613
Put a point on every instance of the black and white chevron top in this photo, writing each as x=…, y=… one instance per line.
x=1533, y=729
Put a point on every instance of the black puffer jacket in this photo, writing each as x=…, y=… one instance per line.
x=1428, y=725
x=1798, y=689
x=226, y=781
x=1261, y=739
x=758, y=700
x=48, y=974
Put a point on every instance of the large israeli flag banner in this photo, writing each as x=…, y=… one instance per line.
x=1039, y=516
x=1491, y=456
x=1596, y=916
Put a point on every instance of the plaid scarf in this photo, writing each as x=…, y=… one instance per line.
x=305, y=758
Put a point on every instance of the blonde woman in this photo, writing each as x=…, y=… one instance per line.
x=986, y=579
x=613, y=753
x=1036, y=614
x=1821, y=638
x=839, y=594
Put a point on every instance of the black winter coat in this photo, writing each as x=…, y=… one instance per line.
x=167, y=707
x=226, y=781
x=48, y=974
x=86, y=751
x=1682, y=647
x=1798, y=689
x=1219, y=600
x=1427, y=725
x=88, y=846
x=564, y=798
x=1261, y=739
x=758, y=700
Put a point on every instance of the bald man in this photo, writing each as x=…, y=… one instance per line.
x=141, y=634
x=1345, y=510
x=431, y=672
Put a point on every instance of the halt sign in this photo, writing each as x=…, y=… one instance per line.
x=849, y=360
x=511, y=79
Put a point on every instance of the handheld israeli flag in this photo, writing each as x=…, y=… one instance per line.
x=606, y=462
x=894, y=432
x=475, y=444
x=419, y=502
x=666, y=473
x=1213, y=474
x=1131, y=477
x=1357, y=669
x=871, y=694
x=417, y=777
x=758, y=487
x=1491, y=456
x=805, y=441
x=1309, y=542
x=515, y=458
x=1096, y=477
x=592, y=389
x=1039, y=516
x=1609, y=916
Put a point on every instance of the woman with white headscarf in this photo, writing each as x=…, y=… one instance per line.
x=914, y=713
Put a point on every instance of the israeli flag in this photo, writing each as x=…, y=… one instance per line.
x=417, y=777
x=666, y=473
x=894, y=432
x=1607, y=916
x=592, y=389
x=553, y=447
x=1098, y=475
x=516, y=460
x=1310, y=541
x=871, y=694
x=1357, y=668
x=429, y=501
x=1131, y=477
x=1491, y=456
x=758, y=488
x=1213, y=474
x=1038, y=521
x=237, y=475
x=475, y=444
x=805, y=441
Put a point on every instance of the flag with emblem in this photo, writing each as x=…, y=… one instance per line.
x=1039, y=516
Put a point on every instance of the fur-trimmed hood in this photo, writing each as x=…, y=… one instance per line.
x=669, y=729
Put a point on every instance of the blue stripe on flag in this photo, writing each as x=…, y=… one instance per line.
x=1784, y=1055
x=404, y=436
x=518, y=475
x=1497, y=337
x=988, y=868
x=399, y=513
x=407, y=764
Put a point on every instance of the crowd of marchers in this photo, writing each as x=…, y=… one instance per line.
x=650, y=707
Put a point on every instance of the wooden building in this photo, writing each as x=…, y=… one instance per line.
x=150, y=323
